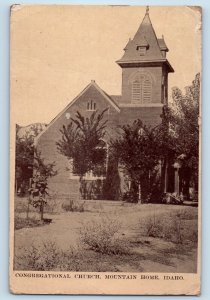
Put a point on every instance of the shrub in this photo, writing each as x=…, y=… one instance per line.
x=154, y=227
x=71, y=260
x=76, y=259
x=174, y=227
x=173, y=230
x=103, y=236
x=48, y=256
x=41, y=257
x=74, y=206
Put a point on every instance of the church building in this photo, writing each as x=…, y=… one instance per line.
x=145, y=70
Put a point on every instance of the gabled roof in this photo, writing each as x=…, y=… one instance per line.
x=103, y=93
x=116, y=98
x=111, y=99
x=92, y=84
x=144, y=37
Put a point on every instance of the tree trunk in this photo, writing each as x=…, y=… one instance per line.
x=27, y=211
x=139, y=193
x=164, y=176
x=42, y=209
x=80, y=192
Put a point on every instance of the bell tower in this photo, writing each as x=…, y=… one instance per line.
x=145, y=68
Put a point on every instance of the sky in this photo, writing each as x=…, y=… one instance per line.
x=57, y=50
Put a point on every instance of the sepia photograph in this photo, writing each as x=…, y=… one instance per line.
x=105, y=148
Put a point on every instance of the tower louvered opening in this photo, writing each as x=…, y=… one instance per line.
x=136, y=90
x=142, y=89
x=147, y=89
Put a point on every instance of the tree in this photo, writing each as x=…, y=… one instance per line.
x=39, y=182
x=31, y=171
x=24, y=157
x=138, y=152
x=81, y=142
x=183, y=118
x=23, y=161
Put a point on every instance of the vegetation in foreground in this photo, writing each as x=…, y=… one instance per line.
x=103, y=245
x=27, y=223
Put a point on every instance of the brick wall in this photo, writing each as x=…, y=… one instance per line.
x=149, y=115
x=61, y=183
x=47, y=141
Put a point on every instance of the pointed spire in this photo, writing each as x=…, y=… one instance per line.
x=144, y=46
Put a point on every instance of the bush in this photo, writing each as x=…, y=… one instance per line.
x=41, y=257
x=73, y=206
x=48, y=256
x=103, y=236
x=154, y=227
x=174, y=227
x=72, y=259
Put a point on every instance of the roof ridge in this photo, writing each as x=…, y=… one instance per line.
x=105, y=93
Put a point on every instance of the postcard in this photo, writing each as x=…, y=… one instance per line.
x=105, y=165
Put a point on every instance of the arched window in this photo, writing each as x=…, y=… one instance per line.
x=141, y=88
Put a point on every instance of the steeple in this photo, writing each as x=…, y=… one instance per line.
x=144, y=47
x=145, y=68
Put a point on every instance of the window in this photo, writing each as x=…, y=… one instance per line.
x=70, y=168
x=91, y=106
x=141, y=50
x=141, y=88
x=99, y=171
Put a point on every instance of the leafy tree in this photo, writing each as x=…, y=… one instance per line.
x=24, y=157
x=81, y=142
x=39, y=182
x=183, y=119
x=138, y=151
x=23, y=161
x=31, y=169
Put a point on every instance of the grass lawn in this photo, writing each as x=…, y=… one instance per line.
x=158, y=238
